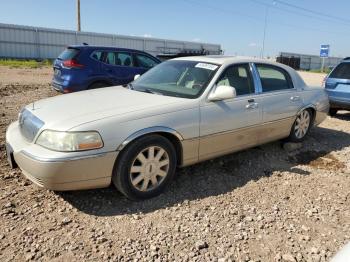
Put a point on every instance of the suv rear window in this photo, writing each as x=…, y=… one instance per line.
x=69, y=53
x=341, y=71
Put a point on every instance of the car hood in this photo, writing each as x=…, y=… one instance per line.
x=64, y=112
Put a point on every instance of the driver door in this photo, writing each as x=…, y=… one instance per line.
x=231, y=125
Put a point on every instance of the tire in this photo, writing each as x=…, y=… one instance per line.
x=333, y=111
x=141, y=180
x=301, y=126
x=97, y=85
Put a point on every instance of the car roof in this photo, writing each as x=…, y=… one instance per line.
x=221, y=60
x=105, y=48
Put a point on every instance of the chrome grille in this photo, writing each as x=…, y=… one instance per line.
x=29, y=124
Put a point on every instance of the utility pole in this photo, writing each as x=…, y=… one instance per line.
x=265, y=25
x=78, y=16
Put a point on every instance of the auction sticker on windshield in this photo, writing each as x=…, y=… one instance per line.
x=206, y=66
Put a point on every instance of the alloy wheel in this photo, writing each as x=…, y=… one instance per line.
x=149, y=168
x=302, y=124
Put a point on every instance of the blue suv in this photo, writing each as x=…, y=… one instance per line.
x=337, y=85
x=83, y=67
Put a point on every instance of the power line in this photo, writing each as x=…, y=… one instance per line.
x=261, y=20
x=279, y=8
x=313, y=12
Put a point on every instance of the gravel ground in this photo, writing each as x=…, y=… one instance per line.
x=262, y=204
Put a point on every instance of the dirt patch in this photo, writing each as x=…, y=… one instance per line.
x=12, y=89
x=318, y=159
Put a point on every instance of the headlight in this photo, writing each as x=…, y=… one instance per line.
x=69, y=141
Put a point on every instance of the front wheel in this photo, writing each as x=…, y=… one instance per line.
x=301, y=126
x=145, y=168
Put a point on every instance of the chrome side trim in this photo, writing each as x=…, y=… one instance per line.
x=149, y=130
x=62, y=159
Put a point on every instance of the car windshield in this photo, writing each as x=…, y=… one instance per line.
x=187, y=79
x=342, y=71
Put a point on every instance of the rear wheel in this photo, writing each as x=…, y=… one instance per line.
x=97, y=85
x=145, y=168
x=333, y=111
x=301, y=126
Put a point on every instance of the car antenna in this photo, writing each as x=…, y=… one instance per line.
x=85, y=44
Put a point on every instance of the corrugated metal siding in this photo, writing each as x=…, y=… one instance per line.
x=311, y=62
x=18, y=41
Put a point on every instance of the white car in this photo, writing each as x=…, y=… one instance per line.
x=179, y=113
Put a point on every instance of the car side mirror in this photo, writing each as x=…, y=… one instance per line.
x=136, y=76
x=222, y=93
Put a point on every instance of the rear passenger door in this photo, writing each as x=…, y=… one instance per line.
x=280, y=101
x=118, y=66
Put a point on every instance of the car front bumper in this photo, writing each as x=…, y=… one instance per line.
x=56, y=170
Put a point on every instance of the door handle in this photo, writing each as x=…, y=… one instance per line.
x=295, y=98
x=251, y=106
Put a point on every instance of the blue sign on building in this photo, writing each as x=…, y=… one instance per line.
x=324, y=52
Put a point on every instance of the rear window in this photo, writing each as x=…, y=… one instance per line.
x=273, y=78
x=69, y=53
x=341, y=71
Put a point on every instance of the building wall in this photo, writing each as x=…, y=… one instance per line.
x=18, y=41
x=313, y=62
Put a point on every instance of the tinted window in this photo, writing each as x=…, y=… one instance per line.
x=97, y=55
x=119, y=59
x=124, y=59
x=145, y=61
x=341, y=71
x=273, y=78
x=110, y=58
x=69, y=53
x=238, y=76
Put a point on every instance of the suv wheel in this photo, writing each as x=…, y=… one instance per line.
x=333, y=111
x=97, y=85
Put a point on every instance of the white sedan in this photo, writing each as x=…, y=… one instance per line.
x=181, y=112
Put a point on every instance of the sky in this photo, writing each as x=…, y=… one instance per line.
x=299, y=26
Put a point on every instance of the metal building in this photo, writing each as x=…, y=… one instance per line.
x=307, y=62
x=27, y=42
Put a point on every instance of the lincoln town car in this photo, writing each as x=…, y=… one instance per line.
x=179, y=113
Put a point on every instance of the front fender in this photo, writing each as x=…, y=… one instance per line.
x=149, y=130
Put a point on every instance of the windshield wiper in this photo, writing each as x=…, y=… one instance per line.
x=148, y=90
